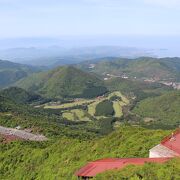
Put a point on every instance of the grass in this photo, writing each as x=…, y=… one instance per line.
x=117, y=109
x=76, y=114
x=68, y=115
x=117, y=105
x=118, y=93
x=60, y=159
x=79, y=114
x=69, y=105
x=92, y=107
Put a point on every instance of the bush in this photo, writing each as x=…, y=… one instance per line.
x=115, y=98
x=105, y=108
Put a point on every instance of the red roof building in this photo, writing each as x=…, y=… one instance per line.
x=168, y=148
x=99, y=166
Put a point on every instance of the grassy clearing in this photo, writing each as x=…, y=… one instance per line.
x=92, y=107
x=76, y=114
x=79, y=114
x=69, y=105
x=117, y=105
x=118, y=93
x=68, y=115
x=117, y=109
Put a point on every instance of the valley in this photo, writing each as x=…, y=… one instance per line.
x=90, y=90
x=67, y=116
x=89, y=107
x=162, y=70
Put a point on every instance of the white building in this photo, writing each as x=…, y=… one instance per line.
x=169, y=147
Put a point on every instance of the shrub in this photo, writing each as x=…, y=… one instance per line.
x=105, y=108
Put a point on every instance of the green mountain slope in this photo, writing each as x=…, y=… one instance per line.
x=15, y=112
x=164, y=109
x=71, y=147
x=64, y=82
x=145, y=67
x=11, y=72
x=19, y=95
x=139, y=89
x=60, y=159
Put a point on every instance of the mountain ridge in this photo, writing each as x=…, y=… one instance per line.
x=11, y=72
x=140, y=68
x=64, y=81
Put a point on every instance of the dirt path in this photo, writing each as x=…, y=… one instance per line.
x=21, y=134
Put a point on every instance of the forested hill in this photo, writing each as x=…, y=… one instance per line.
x=11, y=72
x=162, y=110
x=64, y=82
x=144, y=67
x=19, y=95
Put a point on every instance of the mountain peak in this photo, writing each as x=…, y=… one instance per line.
x=64, y=82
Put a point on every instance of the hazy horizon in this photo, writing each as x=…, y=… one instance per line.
x=55, y=18
x=144, y=24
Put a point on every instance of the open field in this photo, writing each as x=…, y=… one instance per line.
x=119, y=94
x=76, y=114
x=87, y=115
x=117, y=109
x=69, y=105
x=92, y=107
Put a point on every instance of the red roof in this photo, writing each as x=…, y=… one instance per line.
x=99, y=166
x=93, y=168
x=173, y=141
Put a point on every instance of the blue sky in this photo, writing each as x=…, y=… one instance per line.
x=57, y=18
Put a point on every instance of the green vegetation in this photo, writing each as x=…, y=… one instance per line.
x=92, y=107
x=115, y=98
x=144, y=67
x=11, y=72
x=84, y=126
x=117, y=109
x=150, y=171
x=163, y=110
x=79, y=102
x=19, y=95
x=49, y=122
x=64, y=82
x=104, y=108
x=61, y=158
x=136, y=88
x=85, y=109
x=76, y=114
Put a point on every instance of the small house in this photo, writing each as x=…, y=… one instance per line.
x=168, y=148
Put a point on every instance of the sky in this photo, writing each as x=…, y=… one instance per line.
x=61, y=18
